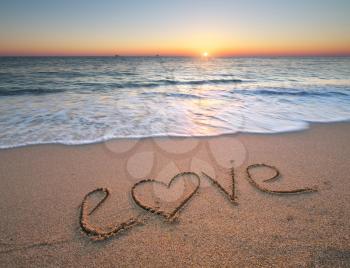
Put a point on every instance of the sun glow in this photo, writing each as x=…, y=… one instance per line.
x=205, y=54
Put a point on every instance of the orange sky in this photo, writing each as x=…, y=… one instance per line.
x=184, y=28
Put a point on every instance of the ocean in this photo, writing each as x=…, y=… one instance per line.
x=79, y=100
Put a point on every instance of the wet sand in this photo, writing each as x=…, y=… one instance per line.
x=42, y=187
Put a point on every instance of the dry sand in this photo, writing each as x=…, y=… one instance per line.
x=42, y=187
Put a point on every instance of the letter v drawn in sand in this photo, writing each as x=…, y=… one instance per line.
x=231, y=197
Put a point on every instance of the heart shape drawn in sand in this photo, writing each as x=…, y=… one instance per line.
x=155, y=209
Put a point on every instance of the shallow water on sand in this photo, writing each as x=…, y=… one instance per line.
x=86, y=99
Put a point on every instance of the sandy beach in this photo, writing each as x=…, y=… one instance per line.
x=42, y=188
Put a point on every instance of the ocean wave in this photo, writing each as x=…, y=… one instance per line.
x=61, y=74
x=96, y=86
x=174, y=95
x=201, y=82
x=286, y=92
x=29, y=91
x=165, y=82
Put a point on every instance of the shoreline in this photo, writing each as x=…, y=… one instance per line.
x=309, y=126
x=42, y=189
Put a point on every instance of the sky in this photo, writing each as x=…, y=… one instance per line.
x=169, y=27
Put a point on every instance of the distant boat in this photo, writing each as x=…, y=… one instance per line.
x=116, y=55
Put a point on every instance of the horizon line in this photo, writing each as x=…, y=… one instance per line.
x=183, y=56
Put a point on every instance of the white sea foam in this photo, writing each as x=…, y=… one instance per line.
x=84, y=100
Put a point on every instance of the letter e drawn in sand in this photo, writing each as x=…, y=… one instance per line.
x=274, y=177
x=96, y=233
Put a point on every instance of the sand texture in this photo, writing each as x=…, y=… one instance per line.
x=213, y=214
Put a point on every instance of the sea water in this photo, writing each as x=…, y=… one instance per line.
x=78, y=100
